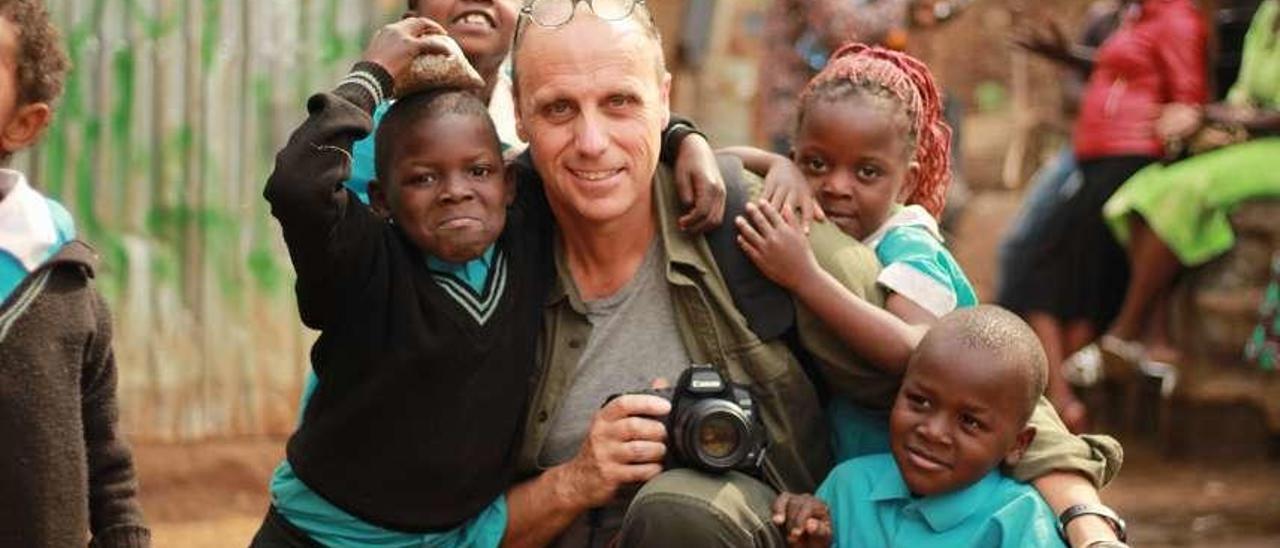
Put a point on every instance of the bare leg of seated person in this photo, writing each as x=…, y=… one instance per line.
x=689, y=508
x=1154, y=267
x=1160, y=347
x=1054, y=337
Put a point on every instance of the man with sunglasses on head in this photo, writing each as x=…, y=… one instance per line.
x=637, y=300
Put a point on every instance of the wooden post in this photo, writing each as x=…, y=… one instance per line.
x=1015, y=158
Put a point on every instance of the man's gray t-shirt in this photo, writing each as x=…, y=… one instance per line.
x=633, y=341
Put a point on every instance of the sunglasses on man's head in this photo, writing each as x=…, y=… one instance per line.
x=556, y=13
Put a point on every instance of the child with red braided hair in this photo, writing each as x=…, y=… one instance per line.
x=872, y=143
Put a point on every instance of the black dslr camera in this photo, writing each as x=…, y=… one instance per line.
x=713, y=425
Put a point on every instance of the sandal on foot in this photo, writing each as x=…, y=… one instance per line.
x=1121, y=358
x=1084, y=367
x=1167, y=374
x=1109, y=356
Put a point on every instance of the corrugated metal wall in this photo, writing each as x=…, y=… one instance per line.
x=171, y=117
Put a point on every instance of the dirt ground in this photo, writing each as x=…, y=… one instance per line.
x=206, y=495
x=213, y=494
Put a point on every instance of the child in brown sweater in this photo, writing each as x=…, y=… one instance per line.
x=66, y=476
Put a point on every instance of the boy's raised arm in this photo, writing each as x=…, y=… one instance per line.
x=305, y=189
x=306, y=185
x=320, y=221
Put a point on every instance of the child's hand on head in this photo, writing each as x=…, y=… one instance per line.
x=395, y=46
x=776, y=244
x=805, y=520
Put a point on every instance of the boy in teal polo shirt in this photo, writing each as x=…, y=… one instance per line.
x=961, y=412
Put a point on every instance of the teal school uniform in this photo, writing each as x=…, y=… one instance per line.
x=916, y=263
x=917, y=266
x=871, y=507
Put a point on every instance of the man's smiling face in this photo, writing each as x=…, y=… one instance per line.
x=482, y=28
x=592, y=102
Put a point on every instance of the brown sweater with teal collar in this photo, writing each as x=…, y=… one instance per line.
x=66, y=476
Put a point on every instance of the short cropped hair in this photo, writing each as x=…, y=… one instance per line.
x=1003, y=335
x=641, y=15
x=418, y=108
x=41, y=60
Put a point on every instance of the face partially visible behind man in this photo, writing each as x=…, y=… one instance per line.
x=482, y=28
x=592, y=99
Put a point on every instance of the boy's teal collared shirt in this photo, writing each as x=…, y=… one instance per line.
x=474, y=272
x=871, y=506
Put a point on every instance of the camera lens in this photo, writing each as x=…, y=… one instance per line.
x=711, y=424
x=718, y=436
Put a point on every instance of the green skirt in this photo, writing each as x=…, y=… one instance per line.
x=1187, y=203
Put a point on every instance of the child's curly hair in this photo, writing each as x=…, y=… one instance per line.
x=905, y=81
x=41, y=62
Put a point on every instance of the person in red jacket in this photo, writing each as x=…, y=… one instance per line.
x=1147, y=82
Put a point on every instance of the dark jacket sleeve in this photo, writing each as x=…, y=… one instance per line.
x=329, y=233
x=115, y=517
x=678, y=127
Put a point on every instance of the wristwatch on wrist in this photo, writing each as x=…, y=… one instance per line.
x=1107, y=514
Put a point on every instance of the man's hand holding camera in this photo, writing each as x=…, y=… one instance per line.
x=624, y=445
x=704, y=422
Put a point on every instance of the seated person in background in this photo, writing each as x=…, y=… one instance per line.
x=428, y=305
x=1171, y=217
x=875, y=149
x=962, y=412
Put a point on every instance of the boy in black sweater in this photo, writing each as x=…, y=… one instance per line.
x=429, y=305
x=66, y=475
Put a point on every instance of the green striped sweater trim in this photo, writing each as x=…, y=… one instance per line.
x=479, y=306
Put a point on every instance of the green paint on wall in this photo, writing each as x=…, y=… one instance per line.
x=264, y=266
x=86, y=178
x=211, y=32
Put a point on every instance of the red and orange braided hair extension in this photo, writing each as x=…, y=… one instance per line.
x=908, y=81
